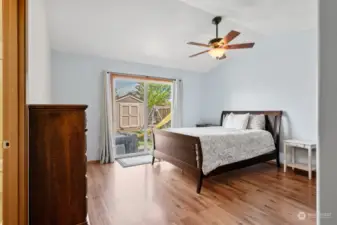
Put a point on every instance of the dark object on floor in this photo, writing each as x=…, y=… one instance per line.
x=120, y=149
x=128, y=140
x=57, y=165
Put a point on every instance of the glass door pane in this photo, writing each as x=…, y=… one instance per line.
x=159, y=101
x=129, y=117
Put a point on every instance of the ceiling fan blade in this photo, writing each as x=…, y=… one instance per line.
x=198, y=53
x=239, y=46
x=198, y=44
x=230, y=36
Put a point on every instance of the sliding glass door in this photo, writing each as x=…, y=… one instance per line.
x=140, y=106
x=159, y=101
x=129, y=117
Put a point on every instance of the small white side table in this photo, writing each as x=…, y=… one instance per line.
x=293, y=144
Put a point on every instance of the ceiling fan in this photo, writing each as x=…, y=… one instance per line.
x=218, y=46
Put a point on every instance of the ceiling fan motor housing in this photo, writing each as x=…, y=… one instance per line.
x=217, y=20
x=217, y=46
x=215, y=42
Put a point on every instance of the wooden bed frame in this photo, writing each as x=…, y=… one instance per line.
x=185, y=151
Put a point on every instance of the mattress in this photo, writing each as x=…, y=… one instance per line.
x=222, y=146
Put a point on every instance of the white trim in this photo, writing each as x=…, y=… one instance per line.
x=141, y=76
x=146, y=116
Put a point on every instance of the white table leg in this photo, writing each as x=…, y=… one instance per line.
x=293, y=157
x=309, y=162
x=285, y=158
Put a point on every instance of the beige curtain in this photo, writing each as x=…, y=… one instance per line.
x=107, y=148
x=177, y=106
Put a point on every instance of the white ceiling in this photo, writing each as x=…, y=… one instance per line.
x=264, y=16
x=156, y=31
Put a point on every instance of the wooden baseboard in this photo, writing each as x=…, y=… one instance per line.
x=297, y=171
x=93, y=162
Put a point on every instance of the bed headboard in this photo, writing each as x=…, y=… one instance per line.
x=273, y=122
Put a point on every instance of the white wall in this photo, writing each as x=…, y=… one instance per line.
x=279, y=73
x=77, y=79
x=327, y=96
x=38, y=79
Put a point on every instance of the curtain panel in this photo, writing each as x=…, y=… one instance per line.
x=107, y=148
x=177, y=106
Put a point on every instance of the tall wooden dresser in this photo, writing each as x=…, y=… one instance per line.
x=57, y=165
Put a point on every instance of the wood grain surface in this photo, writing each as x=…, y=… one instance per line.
x=163, y=195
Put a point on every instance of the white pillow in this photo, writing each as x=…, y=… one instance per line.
x=225, y=119
x=257, y=122
x=237, y=121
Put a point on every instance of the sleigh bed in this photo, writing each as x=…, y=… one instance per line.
x=186, y=152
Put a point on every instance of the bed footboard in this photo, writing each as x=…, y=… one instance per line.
x=180, y=150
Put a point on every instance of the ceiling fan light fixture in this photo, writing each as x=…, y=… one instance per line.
x=217, y=47
x=217, y=53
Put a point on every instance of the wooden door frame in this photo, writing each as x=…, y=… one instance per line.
x=15, y=210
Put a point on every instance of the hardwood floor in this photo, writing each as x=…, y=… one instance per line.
x=163, y=195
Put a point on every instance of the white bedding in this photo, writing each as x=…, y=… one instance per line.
x=222, y=146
